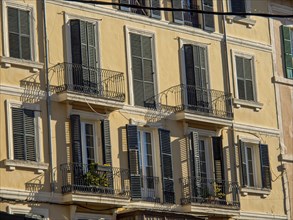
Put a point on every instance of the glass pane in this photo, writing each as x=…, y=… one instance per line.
x=148, y=70
x=24, y=22
x=137, y=68
x=13, y=20
x=239, y=67
x=135, y=45
x=89, y=129
x=25, y=48
x=241, y=89
x=247, y=69
x=146, y=45
x=249, y=90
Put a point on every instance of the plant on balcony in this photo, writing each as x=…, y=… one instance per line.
x=96, y=177
x=218, y=191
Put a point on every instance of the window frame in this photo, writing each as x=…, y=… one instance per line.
x=33, y=43
x=17, y=209
x=128, y=31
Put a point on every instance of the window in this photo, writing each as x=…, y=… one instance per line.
x=245, y=78
x=145, y=12
x=19, y=33
x=142, y=68
x=238, y=6
x=88, y=141
x=288, y=50
x=255, y=165
x=191, y=18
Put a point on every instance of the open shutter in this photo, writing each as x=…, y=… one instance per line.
x=106, y=140
x=133, y=161
x=166, y=164
x=155, y=13
x=243, y=163
x=76, y=139
x=195, y=165
x=288, y=57
x=177, y=15
x=208, y=19
x=265, y=166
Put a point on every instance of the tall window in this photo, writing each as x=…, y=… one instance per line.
x=88, y=143
x=142, y=68
x=245, y=78
x=288, y=50
x=19, y=33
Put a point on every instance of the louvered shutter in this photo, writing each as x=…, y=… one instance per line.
x=287, y=47
x=238, y=6
x=177, y=15
x=166, y=165
x=208, y=19
x=195, y=165
x=76, y=139
x=265, y=166
x=190, y=76
x=106, y=140
x=155, y=13
x=133, y=161
x=23, y=134
x=243, y=163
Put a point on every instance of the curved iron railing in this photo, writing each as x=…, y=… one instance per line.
x=95, y=82
x=190, y=98
x=97, y=179
x=209, y=191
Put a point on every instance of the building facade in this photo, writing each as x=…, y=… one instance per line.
x=146, y=114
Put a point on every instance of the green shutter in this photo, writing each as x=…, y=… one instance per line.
x=133, y=161
x=195, y=165
x=243, y=163
x=288, y=56
x=166, y=165
x=106, y=141
x=265, y=166
x=208, y=19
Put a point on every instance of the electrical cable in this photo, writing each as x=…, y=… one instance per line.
x=183, y=9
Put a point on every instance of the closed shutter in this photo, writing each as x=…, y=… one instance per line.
x=208, y=19
x=265, y=166
x=19, y=33
x=195, y=165
x=142, y=68
x=23, y=134
x=166, y=164
x=177, y=15
x=133, y=161
x=76, y=139
x=106, y=140
x=238, y=6
x=288, y=56
x=243, y=163
x=155, y=13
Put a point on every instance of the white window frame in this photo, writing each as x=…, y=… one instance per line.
x=11, y=162
x=32, y=15
x=96, y=22
x=128, y=31
x=16, y=209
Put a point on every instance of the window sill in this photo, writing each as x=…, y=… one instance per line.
x=38, y=166
x=259, y=191
x=34, y=66
x=238, y=103
x=241, y=20
x=282, y=80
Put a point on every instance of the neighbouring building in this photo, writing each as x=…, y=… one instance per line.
x=151, y=114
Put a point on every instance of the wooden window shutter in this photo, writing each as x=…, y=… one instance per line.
x=19, y=33
x=265, y=166
x=288, y=56
x=166, y=164
x=208, y=19
x=189, y=64
x=106, y=141
x=23, y=123
x=155, y=13
x=243, y=163
x=76, y=139
x=195, y=165
x=133, y=161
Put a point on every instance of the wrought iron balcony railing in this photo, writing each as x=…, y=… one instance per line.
x=96, y=82
x=96, y=179
x=141, y=11
x=150, y=186
x=209, y=191
x=193, y=99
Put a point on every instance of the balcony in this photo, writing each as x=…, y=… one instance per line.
x=209, y=192
x=75, y=82
x=187, y=101
x=140, y=11
x=150, y=189
x=105, y=181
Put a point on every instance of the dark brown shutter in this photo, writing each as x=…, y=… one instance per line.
x=265, y=166
x=243, y=163
x=106, y=140
x=287, y=48
x=195, y=165
x=208, y=19
x=29, y=126
x=166, y=164
x=133, y=161
x=76, y=139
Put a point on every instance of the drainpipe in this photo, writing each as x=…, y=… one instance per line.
x=48, y=100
